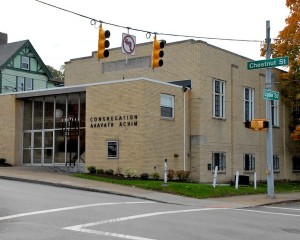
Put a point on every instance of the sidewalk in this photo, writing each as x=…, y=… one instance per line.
x=49, y=176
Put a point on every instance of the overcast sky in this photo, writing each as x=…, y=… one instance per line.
x=59, y=36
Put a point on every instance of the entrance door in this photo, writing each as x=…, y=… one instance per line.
x=38, y=147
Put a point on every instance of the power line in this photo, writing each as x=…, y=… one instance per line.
x=93, y=21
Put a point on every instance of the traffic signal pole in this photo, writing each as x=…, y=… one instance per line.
x=270, y=172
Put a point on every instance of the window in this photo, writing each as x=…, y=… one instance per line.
x=167, y=106
x=248, y=104
x=249, y=162
x=24, y=84
x=219, y=159
x=218, y=98
x=112, y=149
x=274, y=112
x=275, y=163
x=296, y=163
x=25, y=63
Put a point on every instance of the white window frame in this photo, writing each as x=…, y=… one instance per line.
x=219, y=159
x=248, y=104
x=274, y=112
x=250, y=165
x=276, y=165
x=167, y=101
x=218, y=99
x=25, y=63
x=112, y=144
x=24, y=84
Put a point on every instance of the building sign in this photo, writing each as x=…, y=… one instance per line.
x=114, y=121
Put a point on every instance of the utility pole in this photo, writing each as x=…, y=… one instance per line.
x=270, y=172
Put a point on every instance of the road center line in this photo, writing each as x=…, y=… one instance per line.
x=68, y=208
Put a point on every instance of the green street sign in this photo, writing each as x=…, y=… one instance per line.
x=268, y=63
x=270, y=95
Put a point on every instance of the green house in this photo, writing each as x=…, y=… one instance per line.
x=21, y=68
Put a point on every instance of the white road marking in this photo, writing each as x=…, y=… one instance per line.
x=292, y=209
x=83, y=227
x=67, y=208
x=273, y=213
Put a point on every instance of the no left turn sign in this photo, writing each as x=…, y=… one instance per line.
x=128, y=44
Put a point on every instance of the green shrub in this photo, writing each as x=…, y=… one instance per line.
x=155, y=175
x=99, y=171
x=171, y=174
x=144, y=176
x=91, y=169
x=130, y=172
x=183, y=175
x=109, y=172
x=2, y=160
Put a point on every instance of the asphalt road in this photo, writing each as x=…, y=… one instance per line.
x=34, y=211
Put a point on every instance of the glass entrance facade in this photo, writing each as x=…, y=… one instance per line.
x=54, y=130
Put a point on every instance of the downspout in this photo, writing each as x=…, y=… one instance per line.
x=233, y=66
x=184, y=126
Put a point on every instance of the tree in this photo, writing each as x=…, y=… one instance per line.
x=288, y=44
x=58, y=75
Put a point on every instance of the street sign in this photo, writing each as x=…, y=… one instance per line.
x=128, y=44
x=270, y=95
x=268, y=63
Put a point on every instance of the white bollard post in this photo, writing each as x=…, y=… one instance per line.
x=255, y=180
x=237, y=180
x=215, y=177
x=166, y=173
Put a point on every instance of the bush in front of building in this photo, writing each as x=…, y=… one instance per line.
x=91, y=169
x=3, y=163
x=183, y=175
x=130, y=173
x=2, y=160
x=144, y=176
x=155, y=175
x=99, y=171
x=109, y=172
x=171, y=174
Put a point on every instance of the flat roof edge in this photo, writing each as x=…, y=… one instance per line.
x=81, y=88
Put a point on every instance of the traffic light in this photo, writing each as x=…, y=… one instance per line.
x=157, y=53
x=257, y=124
x=103, y=43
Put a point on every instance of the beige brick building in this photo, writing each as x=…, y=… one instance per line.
x=121, y=114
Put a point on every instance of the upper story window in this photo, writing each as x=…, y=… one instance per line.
x=25, y=63
x=218, y=94
x=274, y=112
x=167, y=106
x=24, y=84
x=248, y=104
